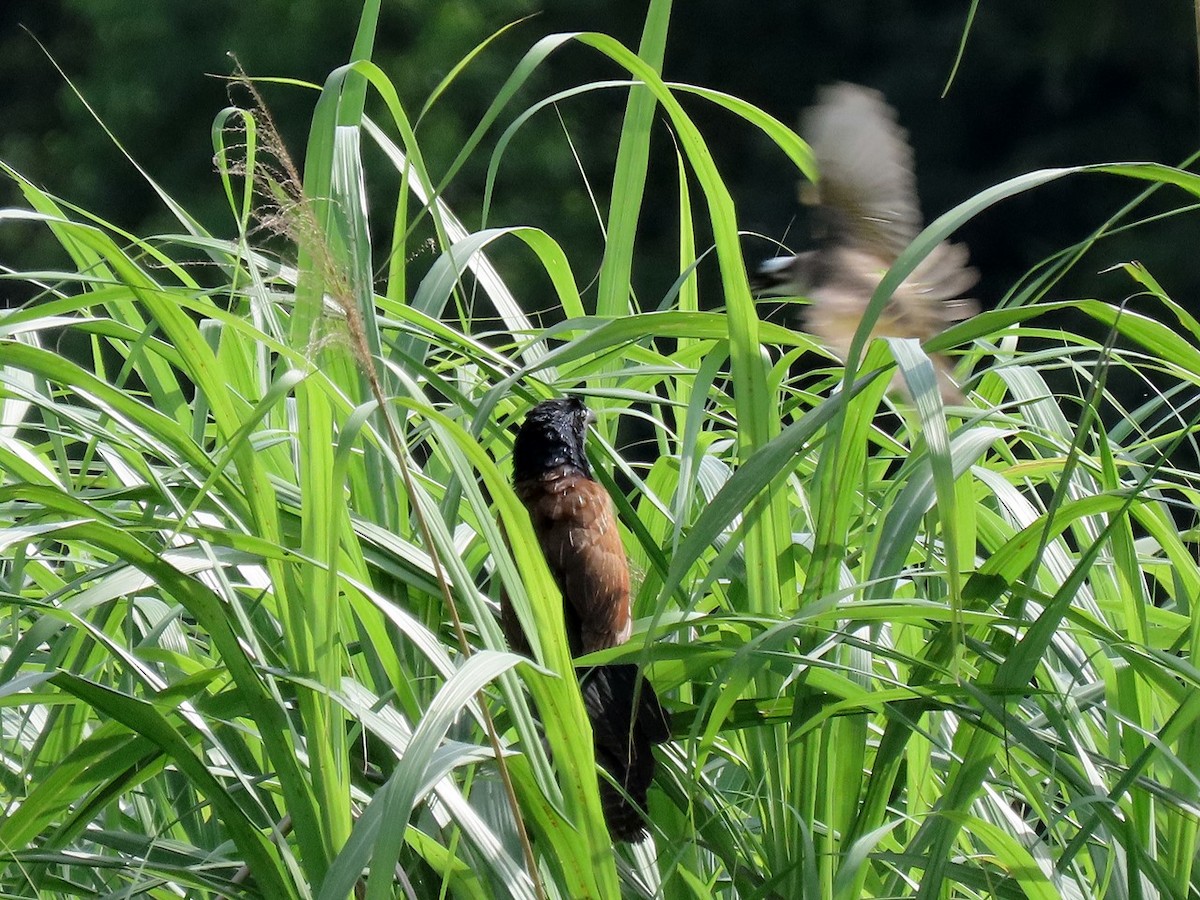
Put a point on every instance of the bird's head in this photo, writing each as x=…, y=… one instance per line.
x=551, y=436
x=788, y=276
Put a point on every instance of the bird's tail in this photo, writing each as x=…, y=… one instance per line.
x=627, y=720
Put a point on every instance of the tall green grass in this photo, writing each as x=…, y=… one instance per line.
x=254, y=486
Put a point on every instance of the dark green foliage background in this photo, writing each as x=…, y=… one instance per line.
x=1041, y=84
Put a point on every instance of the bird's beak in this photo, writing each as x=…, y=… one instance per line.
x=774, y=277
x=589, y=418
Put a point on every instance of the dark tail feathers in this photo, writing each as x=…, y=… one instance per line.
x=624, y=734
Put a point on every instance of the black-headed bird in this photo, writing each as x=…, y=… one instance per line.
x=576, y=529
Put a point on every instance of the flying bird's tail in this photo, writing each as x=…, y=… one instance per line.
x=627, y=720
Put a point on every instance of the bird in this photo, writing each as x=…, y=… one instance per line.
x=576, y=530
x=866, y=213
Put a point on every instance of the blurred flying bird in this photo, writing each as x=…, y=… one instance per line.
x=866, y=213
x=573, y=519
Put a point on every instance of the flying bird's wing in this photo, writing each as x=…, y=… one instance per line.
x=866, y=195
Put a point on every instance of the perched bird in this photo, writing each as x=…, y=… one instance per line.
x=573, y=519
x=866, y=214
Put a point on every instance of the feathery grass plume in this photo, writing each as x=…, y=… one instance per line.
x=283, y=209
x=286, y=209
